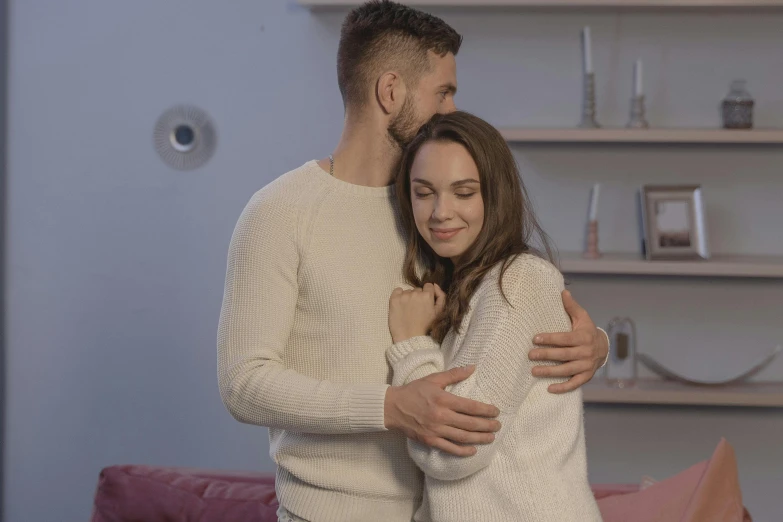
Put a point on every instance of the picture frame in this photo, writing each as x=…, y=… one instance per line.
x=673, y=222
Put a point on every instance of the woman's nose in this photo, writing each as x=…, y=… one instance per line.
x=442, y=210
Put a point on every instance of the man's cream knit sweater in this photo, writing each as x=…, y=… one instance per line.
x=302, y=340
x=535, y=470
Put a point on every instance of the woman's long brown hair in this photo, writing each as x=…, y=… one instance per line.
x=509, y=222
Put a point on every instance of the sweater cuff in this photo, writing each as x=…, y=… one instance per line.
x=365, y=409
x=608, y=344
x=402, y=349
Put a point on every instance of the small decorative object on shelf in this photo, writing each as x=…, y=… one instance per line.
x=588, y=104
x=591, y=250
x=591, y=246
x=638, y=120
x=588, y=87
x=738, y=107
x=673, y=222
x=621, y=368
x=668, y=374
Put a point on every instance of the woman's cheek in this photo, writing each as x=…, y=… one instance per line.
x=420, y=215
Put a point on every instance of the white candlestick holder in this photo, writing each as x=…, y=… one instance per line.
x=591, y=248
x=637, y=120
x=588, y=103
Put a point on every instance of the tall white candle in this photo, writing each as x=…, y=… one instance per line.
x=587, y=54
x=637, y=78
x=594, y=202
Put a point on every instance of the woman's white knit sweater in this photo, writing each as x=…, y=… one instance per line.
x=536, y=469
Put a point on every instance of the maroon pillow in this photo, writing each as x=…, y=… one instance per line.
x=151, y=494
x=157, y=494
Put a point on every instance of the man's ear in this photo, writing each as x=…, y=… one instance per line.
x=390, y=91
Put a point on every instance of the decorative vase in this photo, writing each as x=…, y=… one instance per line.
x=738, y=107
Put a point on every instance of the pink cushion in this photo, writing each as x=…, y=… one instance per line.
x=149, y=494
x=607, y=490
x=707, y=491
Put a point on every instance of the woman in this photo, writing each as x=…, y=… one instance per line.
x=483, y=292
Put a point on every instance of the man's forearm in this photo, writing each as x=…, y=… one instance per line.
x=266, y=394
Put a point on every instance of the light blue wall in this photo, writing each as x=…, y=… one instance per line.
x=115, y=263
x=3, y=117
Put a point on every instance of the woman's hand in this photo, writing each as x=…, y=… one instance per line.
x=411, y=312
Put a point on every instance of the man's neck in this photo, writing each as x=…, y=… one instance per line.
x=365, y=155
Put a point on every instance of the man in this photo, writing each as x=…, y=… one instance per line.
x=313, y=260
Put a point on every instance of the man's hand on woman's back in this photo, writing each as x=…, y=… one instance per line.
x=581, y=351
x=423, y=411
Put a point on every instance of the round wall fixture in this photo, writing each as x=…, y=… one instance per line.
x=185, y=137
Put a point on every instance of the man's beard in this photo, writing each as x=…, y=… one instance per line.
x=404, y=126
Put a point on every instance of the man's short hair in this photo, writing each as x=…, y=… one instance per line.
x=381, y=35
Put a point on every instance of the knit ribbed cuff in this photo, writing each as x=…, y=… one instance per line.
x=365, y=409
x=400, y=350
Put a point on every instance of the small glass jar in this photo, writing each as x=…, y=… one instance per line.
x=738, y=107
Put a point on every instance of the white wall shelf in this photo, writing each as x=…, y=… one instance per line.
x=652, y=391
x=647, y=4
x=634, y=264
x=622, y=135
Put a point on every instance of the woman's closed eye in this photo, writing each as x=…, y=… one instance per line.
x=460, y=195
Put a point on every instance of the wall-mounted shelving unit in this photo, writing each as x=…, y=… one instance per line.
x=634, y=264
x=642, y=136
x=646, y=391
x=546, y=4
x=653, y=391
